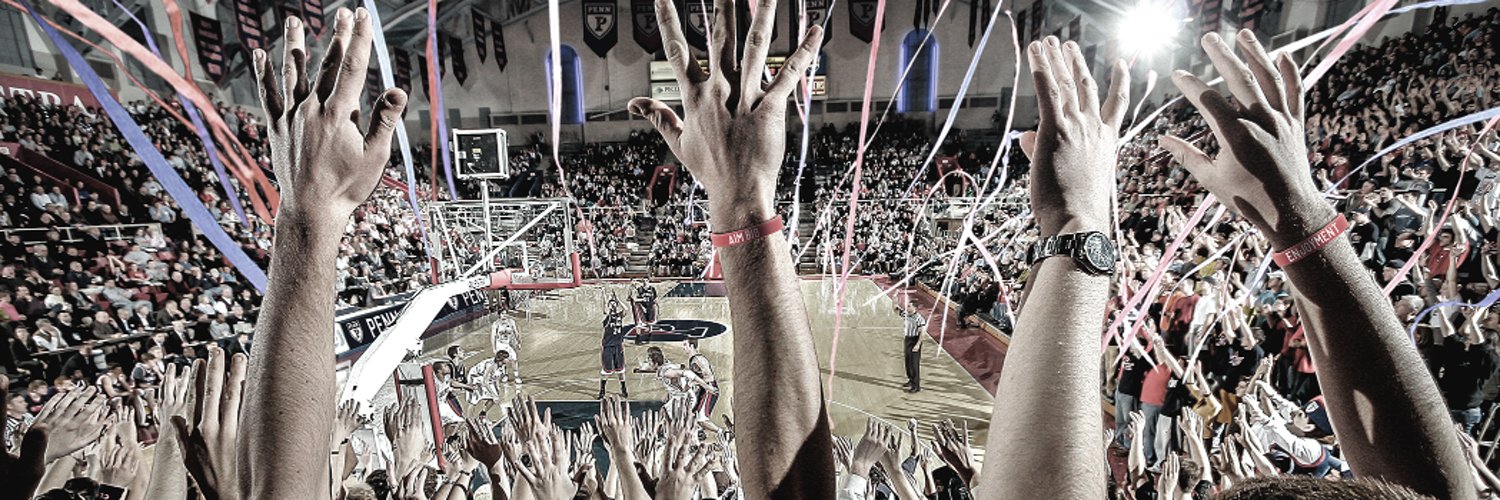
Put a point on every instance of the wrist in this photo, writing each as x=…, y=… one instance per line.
x=1305, y=216
x=317, y=219
x=726, y=216
x=1069, y=224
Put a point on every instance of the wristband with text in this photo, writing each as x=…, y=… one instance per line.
x=1313, y=243
x=746, y=235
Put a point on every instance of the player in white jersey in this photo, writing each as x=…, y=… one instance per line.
x=489, y=378
x=505, y=336
x=682, y=384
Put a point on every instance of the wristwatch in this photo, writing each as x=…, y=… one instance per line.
x=1092, y=250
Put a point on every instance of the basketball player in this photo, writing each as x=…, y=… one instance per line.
x=915, y=327
x=707, y=395
x=489, y=378
x=612, y=348
x=684, y=386
x=504, y=336
x=643, y=299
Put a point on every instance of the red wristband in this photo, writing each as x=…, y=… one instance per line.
x=1313, y=243
x=746, y=235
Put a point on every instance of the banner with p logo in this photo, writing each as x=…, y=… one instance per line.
x=599, y=26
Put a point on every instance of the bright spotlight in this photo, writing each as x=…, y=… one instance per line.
x=1147, y=28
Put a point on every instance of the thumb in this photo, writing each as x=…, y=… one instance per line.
x=1185, y=153
x=660, y=115
x=1028, y=145
x=384, y=120
x=33, y=461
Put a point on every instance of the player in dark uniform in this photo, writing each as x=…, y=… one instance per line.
x=612, y=348
x=643, y=299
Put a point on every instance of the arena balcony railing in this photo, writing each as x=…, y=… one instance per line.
x=71, y=234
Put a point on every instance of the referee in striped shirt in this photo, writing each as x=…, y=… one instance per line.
x=915, y=326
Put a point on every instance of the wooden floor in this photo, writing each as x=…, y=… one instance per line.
x=560, y=335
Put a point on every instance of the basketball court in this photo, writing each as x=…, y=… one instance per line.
x=560, y=334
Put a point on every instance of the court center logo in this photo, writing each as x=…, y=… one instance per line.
x=675, y=330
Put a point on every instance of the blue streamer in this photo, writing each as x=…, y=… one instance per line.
x=439, y=112
x=388, y=80
x=164, y=173
x=198, y=127
x=1488, y=300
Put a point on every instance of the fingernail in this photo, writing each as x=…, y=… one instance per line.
x=343, y=14
x=1181, y=74
x=361, y=14
x=1247, y=35
x=1036, y=48
x=292, y=22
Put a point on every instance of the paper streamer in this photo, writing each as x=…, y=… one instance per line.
x=859, y=160
x=209, y=148
x=388, y=80
x=1373, y=12
x=1487, y=301
x=243, y=163
x=164, y=173
x=438, y=111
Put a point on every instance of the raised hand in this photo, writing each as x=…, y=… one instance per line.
x=546, y=476
x=1073, y=149
x=408, y=442
x=619, y=433
x=210, y=443
x=349, y=420
x=121, y=460
x=325, y=164
x=482, y=444
x=733, y=130
x=869, y=450
x=684, y=464
x=1262, y=169
x=953, y=448
x=22, y=473
x=75, y=419
x=168, y=470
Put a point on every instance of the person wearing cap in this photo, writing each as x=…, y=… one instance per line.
x=1392, y=273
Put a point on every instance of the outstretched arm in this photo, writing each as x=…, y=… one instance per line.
x=1046, y=406
x=732, y=138
x=1369, y=370
x=326, y=166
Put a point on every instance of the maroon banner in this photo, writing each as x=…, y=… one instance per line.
x=1038, y=18
x=600, y=29
x=247, y=20
x=497, y=34
x=208, y=34
x=645, y=30
x=312, y=16
x=1209, y=17
x=1250, y=13
x=817, y=15
x=1075, y=28
x=456, y=53
x=47, y=91
x=697, y=18
x=481, y=34
x=862, y=19
x=402, y=72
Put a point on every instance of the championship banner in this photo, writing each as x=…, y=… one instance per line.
x=600, y=31
x=288, y=8
x=817, y=15
x=1075, y=28
x=372, y=87
x=422, y=63
x=1021, y=32
x=312, y=16
x=1038, y=18
x=862, y=19
x=208, y=35
x=979, y=20
x=643, y=25
x=247, y=20
x=460, y=66
x=402, y=71
x=481, y=34
x=919, y=18
x=47, y=91
x=497, y=34
x=743, y=17
x=1208, y=18
x=1250, y=12
x=696, y=20
x=359, y=328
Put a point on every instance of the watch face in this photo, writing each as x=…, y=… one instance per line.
x=1099, y=252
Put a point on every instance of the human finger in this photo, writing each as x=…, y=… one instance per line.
x=796, y=66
